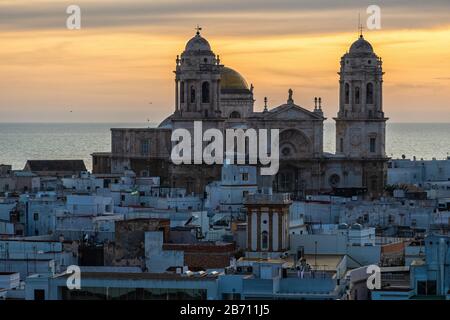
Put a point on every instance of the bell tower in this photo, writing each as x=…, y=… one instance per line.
x=197, y=80
x=360, y=122
x=267, y=225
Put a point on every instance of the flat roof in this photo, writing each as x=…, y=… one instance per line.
x=142, y=276
x=325, y=262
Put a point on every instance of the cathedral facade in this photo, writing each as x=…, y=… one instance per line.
x=208, y=91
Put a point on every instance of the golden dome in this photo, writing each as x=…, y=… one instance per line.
x=232, y=80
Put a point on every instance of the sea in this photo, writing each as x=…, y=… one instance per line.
x=20, y=142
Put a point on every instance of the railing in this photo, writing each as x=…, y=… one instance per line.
x=259, y=198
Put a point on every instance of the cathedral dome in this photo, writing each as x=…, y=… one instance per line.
x=361, y=46
x=198, y=43
x=232, y=80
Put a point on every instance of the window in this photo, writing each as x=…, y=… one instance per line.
x=341, y=145
x=245, y=176
x=372, y=144
x=357, y=95
x=286, y=152
x=145, y=147
x=235, y=115
x=36, y=216
x=369, y=93
x=182, y=92
x=334, y=180
x=39, y=294
x=205, y=92
x=285, y=182
x=373, y=183
x=189, y=186
x=347, y=93
x=426, y=288
x=265, y=240
x=192, y=94
x=244, y=194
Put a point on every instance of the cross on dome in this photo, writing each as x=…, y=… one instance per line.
x=198, y=28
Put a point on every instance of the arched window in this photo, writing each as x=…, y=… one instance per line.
x=265, y=240
x=192, y=94
x=357, y=95
x=347, y=93
x=182, y=91
x=374, y=183
x=369, y=93
x=205, y=92
x=334, y=180
x=285, y=182
x=235, y=115
x=372, y=144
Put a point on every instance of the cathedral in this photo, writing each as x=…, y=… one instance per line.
x=220, y=97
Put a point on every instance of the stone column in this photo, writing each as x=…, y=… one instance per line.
x=177, y=95
x=218, y=96
x=249, y=230
x=270, y=230
x=280, y=231
x=380, y=87
x=258, y=230
x=362, y=97
x=186, y=94
x=198, y=97
x=342, y=95
x=214, y=96
x=352, y=96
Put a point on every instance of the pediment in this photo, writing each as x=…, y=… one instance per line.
x=292, y=112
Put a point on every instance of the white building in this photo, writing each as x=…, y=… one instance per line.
x=86, y=182
x=89, y=204
x=228, y=194
x=29, y=256
x=40, y=213
x=418, y=172
x=357, y=242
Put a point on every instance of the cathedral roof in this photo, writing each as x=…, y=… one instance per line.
x=232, y=80
x=166, y=123
x=361, y=46
x=198, y=43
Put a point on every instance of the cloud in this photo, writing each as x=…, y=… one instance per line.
x=230, y=16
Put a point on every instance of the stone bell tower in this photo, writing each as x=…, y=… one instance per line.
x=197, y=80
x=360, y=123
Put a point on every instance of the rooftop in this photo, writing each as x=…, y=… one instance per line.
x=277, y=198
x=143, y=276
x=55, y=165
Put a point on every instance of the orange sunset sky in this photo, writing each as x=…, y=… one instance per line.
x=119, y=66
